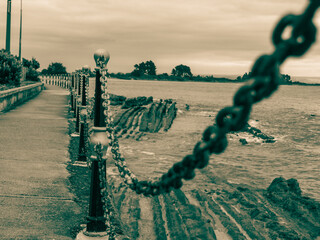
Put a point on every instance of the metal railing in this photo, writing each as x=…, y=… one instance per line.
x=264, y=81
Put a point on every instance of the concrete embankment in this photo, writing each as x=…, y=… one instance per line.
x=14, y=97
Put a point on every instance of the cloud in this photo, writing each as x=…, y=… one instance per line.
x=212, y=36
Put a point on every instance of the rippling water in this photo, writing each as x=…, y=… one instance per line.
x=291, y=115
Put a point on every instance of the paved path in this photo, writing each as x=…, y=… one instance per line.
x=35, y=202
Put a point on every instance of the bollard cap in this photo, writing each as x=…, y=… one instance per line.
x=99, y=136
x=101, y=58
x=85, y=69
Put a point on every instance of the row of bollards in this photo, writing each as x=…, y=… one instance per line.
x=78, y=83
x=62, y=80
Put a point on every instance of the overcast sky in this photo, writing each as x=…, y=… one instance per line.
x=211, y=36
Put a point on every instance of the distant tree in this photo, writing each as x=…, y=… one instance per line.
x=150, y=68
x=121, y=75
x=144, y=68
x=138, y=70
x=181, y=71
x=55, y=68
x=285, y=78
x=26, y=63
x=244, y=77
x=32, y=66
x=35, y=64
x=10, y=69
x=163, y=76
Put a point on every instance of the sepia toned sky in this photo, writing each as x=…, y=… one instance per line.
x=211, y=36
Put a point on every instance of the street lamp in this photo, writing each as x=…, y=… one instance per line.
x=20, y=30
x=96, y=226
x=8, y=36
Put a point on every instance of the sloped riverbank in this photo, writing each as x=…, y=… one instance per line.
x=207, y=207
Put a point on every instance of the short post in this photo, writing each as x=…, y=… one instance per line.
x=83, y=115
x=75, y=93
x=72, y=94
x=69, y=80
x=96, y=226
x=79, y=80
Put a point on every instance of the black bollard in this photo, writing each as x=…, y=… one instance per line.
x=78, y=103
x=83, y=112
x=73, y=86
x=96, y=225
x=96, y=212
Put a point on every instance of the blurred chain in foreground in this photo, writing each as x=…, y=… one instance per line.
x=263, y=82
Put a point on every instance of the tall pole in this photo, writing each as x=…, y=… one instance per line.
x=20, y=30
x=96, y=225
x=8, y=26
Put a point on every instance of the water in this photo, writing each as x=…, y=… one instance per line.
x=291, y=115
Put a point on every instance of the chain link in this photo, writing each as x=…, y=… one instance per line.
x=104, y=191
x=264, y=81
x=102, y=164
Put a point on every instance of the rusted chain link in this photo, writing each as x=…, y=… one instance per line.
x=265, y=75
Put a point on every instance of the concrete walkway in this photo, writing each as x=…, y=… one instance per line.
x=35, y=202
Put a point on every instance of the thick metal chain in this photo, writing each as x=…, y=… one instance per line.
x=104, y=191
x=102, y=167
x=265, y=75
x=120, y=162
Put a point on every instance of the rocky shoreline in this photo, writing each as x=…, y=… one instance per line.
x=207, y=207
x=133, y=117
x=223, y=211
x=255, y=134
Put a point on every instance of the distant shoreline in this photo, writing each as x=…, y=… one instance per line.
x=301, y=83
x=211, y=80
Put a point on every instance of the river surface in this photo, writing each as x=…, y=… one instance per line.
x=291, y=115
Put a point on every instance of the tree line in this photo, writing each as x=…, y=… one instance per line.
x=284, y=78
x=148, y=71
x=11, y=70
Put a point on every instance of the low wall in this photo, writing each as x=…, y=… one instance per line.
x=13, y=97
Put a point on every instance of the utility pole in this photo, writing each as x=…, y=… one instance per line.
x=20, y=30
x=8, y=26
